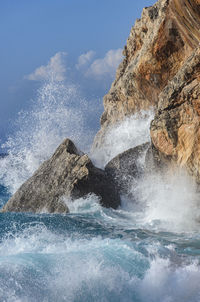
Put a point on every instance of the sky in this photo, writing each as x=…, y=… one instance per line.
x=79, y=41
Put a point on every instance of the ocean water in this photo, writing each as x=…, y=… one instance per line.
x=148, y=250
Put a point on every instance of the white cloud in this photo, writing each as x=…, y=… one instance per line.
x=106, y=65
x=85, y=59
x=54, y=70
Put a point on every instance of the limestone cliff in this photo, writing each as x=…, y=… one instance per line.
x=159, y=44
x=175, y=130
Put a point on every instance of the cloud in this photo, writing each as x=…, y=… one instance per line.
x=54, y=70
x=85, y=59
x=106, y=65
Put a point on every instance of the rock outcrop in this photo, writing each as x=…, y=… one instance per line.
x=68, y=173
x=158, y=45
x=175, y=130
x=161, y=69
x=126, y=167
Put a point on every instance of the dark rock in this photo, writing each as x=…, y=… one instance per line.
x=125, y=167
x=153, y=12
x=68, y=173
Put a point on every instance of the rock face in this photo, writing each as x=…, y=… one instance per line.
x=161, y=69
x=67, y=173
x=175, y=130
x=125, y=167
x=158, y=45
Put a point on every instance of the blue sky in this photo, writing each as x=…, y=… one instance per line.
x=56, y=33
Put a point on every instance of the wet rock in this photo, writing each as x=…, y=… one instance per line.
x=127, y=166
x=67, y=173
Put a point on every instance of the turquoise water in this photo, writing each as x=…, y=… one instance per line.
x=95, y=254
x=145, y=251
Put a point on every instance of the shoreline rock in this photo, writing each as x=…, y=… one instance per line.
x=161, y=70
x=159, y=44
x=68, y=173
x=175, y=130
x=125, y=167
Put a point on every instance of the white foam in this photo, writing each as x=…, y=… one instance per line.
x=167, y=282
x=58, y=112
x=41, y=264
x=169, y=201
x=129, y=133
x=87, y=204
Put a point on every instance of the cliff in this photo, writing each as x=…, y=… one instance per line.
x=161, y=70
x=175, y=130
x=159, y=44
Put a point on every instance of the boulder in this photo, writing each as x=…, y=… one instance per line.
x=68, y=173
x=127, y=166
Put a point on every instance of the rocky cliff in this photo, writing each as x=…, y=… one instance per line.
x=159, y=44
x=161, y=69
x=175, y=130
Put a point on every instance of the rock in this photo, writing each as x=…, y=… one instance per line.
x=125, y=167
x=159, y=44
x=175, y=130
x=67, y=173
x=153, y=161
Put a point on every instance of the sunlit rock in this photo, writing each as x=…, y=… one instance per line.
x=68, y=173
x=175, y=130
x=158, y=45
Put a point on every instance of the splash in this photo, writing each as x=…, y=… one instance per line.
x=38, y=264
x=88, y=204
x=131, y=132
x=58, y=112
x=169, y=202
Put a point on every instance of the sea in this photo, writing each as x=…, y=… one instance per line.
x=148, y=250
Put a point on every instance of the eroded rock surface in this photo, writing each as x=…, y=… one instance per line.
x=67, y=173
x=158, y=45
x=175, y=130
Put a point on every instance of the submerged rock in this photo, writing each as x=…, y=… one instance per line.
x=126, y=167
x=68, y=173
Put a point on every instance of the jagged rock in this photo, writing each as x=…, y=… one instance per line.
x=175, y=130
x=67, y=173
x=158, y=45
x=125, y=167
